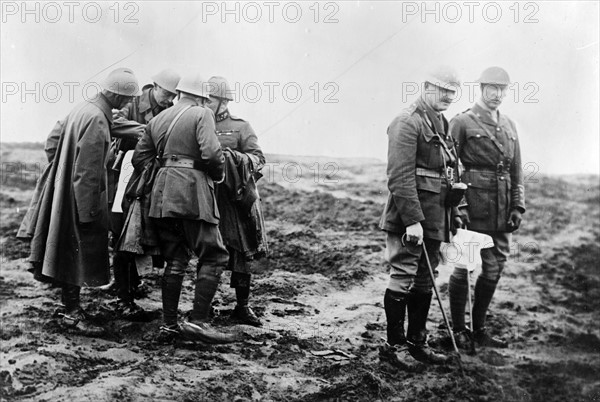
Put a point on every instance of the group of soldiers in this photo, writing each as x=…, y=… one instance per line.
x=192, y=192
x=427, y=159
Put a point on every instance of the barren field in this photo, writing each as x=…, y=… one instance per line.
x=320, y=296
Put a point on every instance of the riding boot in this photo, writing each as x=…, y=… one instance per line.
x=171, y=290
x=395, y=312
x=484, y=292
x=208, y=279
x=416, y=337
x=198, y=328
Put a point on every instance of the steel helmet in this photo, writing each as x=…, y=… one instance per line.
x=219, y=88
x=122, y=81
x=494, y=75
x=444, y=77
x=193, y=84
x=167, y=79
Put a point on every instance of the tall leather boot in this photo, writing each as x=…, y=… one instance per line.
x=484, y=292
x=171, y=290
x=204, y=292
x=394, y=304
x=416, y=337
x=198, y=328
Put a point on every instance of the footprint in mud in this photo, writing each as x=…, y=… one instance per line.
x=289, y=312
x=492, y=357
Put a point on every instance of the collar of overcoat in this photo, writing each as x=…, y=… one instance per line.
x=102, y=103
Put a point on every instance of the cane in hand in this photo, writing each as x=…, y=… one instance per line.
x=437, y=295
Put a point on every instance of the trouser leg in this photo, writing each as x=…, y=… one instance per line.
x=173, y=247
x=122, y=265
x=71, y=297
x=206, y=241
x=241, y=282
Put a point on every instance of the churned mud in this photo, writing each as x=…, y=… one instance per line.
x=320, y=296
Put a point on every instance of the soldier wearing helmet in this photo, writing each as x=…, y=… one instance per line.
x=488, y=148
x=242, y=226
x=68, y=222
x=154, y=99
x=421, y=164
x=183, y=206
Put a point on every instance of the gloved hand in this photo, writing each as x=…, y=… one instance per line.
x=414, y=233
x=238, y=157
x=514, y=220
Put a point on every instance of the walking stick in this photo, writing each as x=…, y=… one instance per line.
x=437, y=295
x=471, y=338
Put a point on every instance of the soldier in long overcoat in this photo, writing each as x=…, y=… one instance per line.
x=488, y=147
x=67, y=221
x=242, y=223
x=421, y=159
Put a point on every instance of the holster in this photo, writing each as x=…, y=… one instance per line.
x=455, y=195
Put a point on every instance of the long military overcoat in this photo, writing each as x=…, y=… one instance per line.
x=242, y=230
x=67, y=220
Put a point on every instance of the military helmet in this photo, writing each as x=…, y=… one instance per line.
x=494, y=75
x=167, y=79
x=219, y=88
x=193, y=84
x=444, y=77
x=122, y=81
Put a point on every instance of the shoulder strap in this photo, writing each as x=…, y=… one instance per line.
x=492, y=137
x=450, y=153
x=162, y=141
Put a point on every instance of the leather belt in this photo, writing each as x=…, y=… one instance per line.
x=181, y=162
x=498, y=169
x=429, y=173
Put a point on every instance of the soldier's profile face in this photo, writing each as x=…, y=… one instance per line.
x=212, y=103
x=493, y=95
x=162, y=96
x=124, y=101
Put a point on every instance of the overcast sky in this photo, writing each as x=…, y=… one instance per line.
x=318, y=78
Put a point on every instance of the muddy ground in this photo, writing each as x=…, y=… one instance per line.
x=320, y=296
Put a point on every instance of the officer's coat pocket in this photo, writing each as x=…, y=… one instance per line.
x=429, y=189
x=481, y=194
